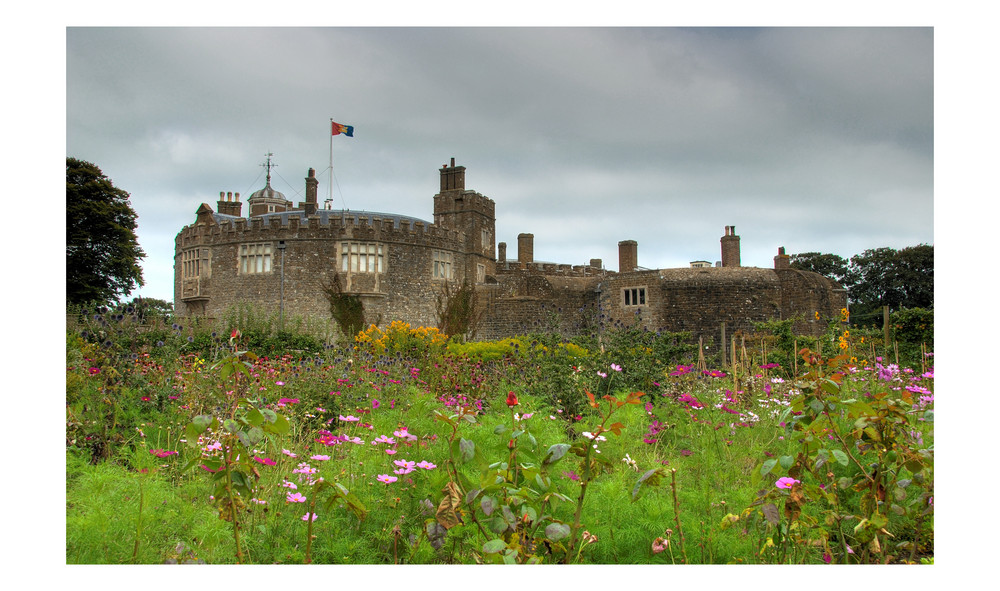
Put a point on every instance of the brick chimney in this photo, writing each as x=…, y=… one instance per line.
x=525, y=249
x=230, y=205
x=310, y=205
x=628, y=256
x=781, y=260
x=502, y=252
x=730, y=248
x=452, y=177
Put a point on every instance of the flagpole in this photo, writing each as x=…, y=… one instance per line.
x=331, y=161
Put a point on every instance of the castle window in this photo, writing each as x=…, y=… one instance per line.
x=480, y=273
x=442, y=265
x=255, y=258
x=635, y=296
x=487, y=241
x=191, y=263
x=362, y=257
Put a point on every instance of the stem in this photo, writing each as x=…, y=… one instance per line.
x=232, y=507
x=138, y=525
x=677, y=512
x=309, y=529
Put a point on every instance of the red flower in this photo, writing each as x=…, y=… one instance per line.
x=511, y=399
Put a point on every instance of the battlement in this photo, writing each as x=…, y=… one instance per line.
x=324, y=225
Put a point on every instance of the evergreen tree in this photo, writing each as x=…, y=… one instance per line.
x=102, y=251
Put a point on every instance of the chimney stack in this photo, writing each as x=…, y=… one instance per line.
x=730, y=248
x=628, y=256
x=502, y=252
x=525, y=249
x=782, y=260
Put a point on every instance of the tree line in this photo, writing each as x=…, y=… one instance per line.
x=878, y=277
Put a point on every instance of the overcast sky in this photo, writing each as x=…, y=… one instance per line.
x=815, y=139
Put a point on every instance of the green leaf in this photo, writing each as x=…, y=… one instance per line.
x=256, y=435
x=556, y=531
x=650, y=478
x=494, y=546
x=488, y=504
x=786, y=462
x=556, y=452
x=840, y=456
x=269, y=415
x=254, y=417
x=498, y=430
x=231, y=425
x=466, y=449
x=280, y=425
x=769, y=465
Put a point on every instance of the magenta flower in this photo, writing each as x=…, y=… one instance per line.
x=571, y=475
x=426, y=465
x=786, y=482
x=309, y=517
x=319, y=458
x=386, y=478
x=376, y=403
x=265, y=461
x=295, y=498
x=161, y=453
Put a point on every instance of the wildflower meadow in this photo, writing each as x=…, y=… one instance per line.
x=223, y=445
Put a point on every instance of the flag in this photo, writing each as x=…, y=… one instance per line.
x=347, y=130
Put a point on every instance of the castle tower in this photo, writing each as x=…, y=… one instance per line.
x=472, y=214
x=730, y=248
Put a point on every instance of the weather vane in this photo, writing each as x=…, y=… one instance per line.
x=269, y=166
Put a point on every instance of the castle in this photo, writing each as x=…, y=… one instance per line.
x=287, y=258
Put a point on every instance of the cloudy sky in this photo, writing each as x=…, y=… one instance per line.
x=815, y=139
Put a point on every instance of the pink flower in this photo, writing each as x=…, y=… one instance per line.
x=386, y=478
x=161, y=453
x=376, y=403
x=391, y=452
x=319, y=458
x=295, y=498
x=786, y=482
x=659, y=545
x=288, y=453
x=290, y=485
x=349, y=418
x=309, y=517
x=426, y=465
x=265, y=461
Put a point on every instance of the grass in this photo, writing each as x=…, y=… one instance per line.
x=125, y=505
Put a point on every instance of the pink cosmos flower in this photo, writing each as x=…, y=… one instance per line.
x=786, y=482
x=290, y=485
x=161, y=453
x=391, y=452
x=349, y=418
x=265, y=461
x=319, y=458
x=426, y=465
x=307, y=517
x=295, y=498
x=376, y=403
x=659, y=545
x=288, y=453
x=386, y=478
